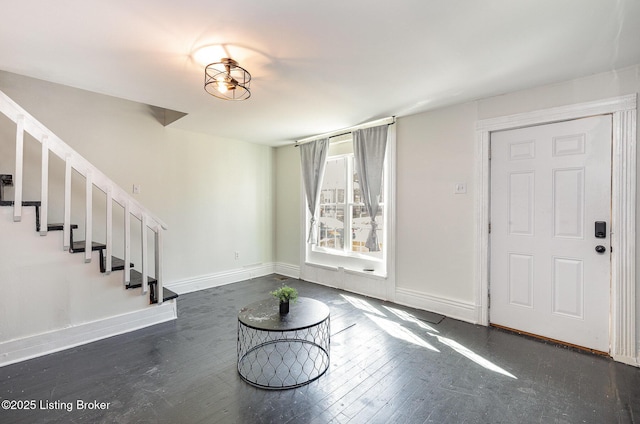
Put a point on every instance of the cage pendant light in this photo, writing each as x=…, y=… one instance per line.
x=227, y=80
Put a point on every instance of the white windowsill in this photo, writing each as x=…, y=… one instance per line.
x=340, y=253
x=359, y=272
x=373, y=274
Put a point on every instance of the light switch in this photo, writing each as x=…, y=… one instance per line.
x=136, y=189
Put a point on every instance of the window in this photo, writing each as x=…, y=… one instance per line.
x=344, y=222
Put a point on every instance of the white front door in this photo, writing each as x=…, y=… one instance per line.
x=549, y=272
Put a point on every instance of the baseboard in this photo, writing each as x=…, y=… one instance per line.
x=288, y=270
x=635, y=362
x=19, y=350
x=464, y=311
x=203, y=282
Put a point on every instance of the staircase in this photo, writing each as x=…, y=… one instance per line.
x=141, y=278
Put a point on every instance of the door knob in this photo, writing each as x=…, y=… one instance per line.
x=600, y=248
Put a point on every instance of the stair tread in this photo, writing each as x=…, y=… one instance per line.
x=59, y=226
x=136, y=279
x=136, y=282
x=117, y=264
x=168, y=294
x=24, y=203
x=80, y=245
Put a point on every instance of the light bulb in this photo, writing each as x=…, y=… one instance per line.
x=221, y=84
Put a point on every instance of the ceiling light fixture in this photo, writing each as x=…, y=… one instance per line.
x=227, y=80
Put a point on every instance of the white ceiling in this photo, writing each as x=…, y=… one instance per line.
x=317, y=66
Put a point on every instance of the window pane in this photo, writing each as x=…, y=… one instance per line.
x=331, y=227
x=332, y=198
x=361, y=226
x=361, y=222
x=357, y=192
x=334, y=184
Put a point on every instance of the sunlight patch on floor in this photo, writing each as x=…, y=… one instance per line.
x=406, y=316
x=398, y=331
x=363, y=305
x=473, y=356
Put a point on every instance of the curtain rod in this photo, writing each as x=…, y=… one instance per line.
x=389, y=121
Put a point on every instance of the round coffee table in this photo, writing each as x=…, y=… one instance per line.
x=283, y=351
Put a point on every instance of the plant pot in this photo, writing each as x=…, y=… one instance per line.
x=284, y=308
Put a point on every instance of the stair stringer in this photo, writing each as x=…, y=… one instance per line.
x=53, y=300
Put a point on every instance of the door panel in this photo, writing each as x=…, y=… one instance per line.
x=568, y=287
x=521, y=280
x=568, y=203
x=521, y=203
x=549, y=184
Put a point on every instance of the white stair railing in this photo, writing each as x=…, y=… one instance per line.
x=94, y=178
x=44, y=193
x=17, y=181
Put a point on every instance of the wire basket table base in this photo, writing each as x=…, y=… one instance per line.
x=280, y=353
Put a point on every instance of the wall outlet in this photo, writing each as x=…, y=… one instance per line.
x=460, y=188
x=237, y=255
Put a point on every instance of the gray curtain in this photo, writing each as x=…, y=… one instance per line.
x=313, y=157
x=369, y=146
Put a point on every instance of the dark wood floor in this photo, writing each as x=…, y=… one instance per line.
x=384, y=369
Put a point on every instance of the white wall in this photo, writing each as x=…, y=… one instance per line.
x=216, y=195
x=288, y=224
x=435, y=228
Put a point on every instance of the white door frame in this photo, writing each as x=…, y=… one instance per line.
x=623, y=210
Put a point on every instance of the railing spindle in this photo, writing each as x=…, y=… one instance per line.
x=88, y=230
x=44, y=194
x=108, y=251
x=127, y=244
x=66, y=228
x=159, y=254
x=145, y=261
x=17, y=182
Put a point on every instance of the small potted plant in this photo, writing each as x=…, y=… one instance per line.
x=285, y=294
